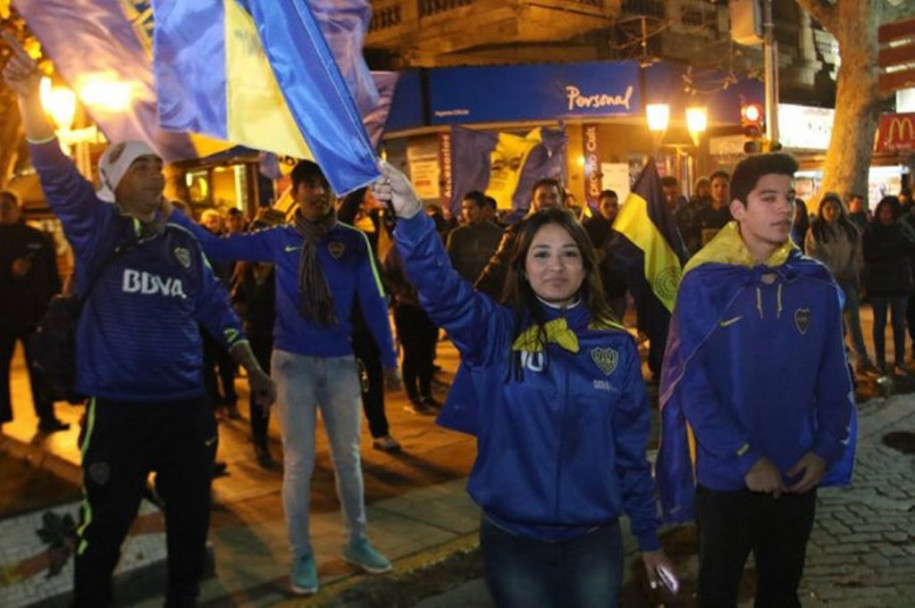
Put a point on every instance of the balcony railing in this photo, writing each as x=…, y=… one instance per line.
x=427, y=8
x=384, y=17
x=647, y=8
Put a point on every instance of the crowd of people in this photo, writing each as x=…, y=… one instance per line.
x=550, y=382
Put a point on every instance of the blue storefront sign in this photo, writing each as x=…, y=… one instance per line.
x=407, y=106
x=534, y=92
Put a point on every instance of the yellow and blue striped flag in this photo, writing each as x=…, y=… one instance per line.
x=649, y=250
x=260, y=73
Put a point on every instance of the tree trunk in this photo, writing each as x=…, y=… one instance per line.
x=857, y=100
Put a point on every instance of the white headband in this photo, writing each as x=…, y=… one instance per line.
x=114, y=164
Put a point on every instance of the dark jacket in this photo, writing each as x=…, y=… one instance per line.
x=887, y=251
x=471, y=246
x=23, y=299
x=492, y=280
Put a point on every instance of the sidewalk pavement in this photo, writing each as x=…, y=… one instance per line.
x=862, y=552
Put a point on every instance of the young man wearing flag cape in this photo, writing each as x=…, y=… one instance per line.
x=757, y=405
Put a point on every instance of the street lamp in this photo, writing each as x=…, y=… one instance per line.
x=105, y=93
x=658, y=115
x=60, y=104
x=696, y=122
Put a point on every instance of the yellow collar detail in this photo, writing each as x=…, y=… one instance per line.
x=728, y=248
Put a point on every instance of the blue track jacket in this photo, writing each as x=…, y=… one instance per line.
x=138, y=337
x=755, y=366
x=348, y=264
x=562, y=451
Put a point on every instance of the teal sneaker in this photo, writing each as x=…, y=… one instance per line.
x=304, y=576
x=365, y=556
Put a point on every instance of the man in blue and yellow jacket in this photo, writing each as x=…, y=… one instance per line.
x=757, y=402
x=322, y=266
x=146, y=289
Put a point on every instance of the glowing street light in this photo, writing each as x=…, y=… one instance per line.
x=105, y=93
x=658, y=115
x=60, y=103
x=696, y=122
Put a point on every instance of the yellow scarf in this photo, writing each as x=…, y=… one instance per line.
x=557, y=332
x=728, y=248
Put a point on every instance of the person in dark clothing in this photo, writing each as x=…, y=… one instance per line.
x=858, y=213
x=905, y=200
x=28, y=280
x=835, y=240
x=490, y=212
x=888, y=245
x=909, y=218
x=688, y=222
x=219, y=369
x=417, y=334
x=254, y=298
x=683, y=213
x=471, y=245
x=442, y=225
x=599, y=225
x=801, y=223
x=368, y=358
x=600, y=230
x=717, y=214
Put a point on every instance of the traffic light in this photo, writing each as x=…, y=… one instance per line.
x=751, y=119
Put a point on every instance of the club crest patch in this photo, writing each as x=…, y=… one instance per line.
x=605, y=359
x=183, y=256
x=335, y=249
x=802, y=320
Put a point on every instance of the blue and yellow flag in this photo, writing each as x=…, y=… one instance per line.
x=260, y=73
x=103, y=50
x=504, y=165
x=648, y=249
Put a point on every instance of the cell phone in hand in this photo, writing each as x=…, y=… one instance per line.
x=668, y=579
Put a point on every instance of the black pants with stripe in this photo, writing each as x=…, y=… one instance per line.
x=776, y=530
x=123, y=443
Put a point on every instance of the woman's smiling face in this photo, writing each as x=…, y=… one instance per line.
x=554, y=266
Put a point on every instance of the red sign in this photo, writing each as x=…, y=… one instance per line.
x=897, y=53
x=895, y=132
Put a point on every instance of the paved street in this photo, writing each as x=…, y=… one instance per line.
x=862, y=552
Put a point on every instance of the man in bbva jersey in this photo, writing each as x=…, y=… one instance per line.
x=147, y=286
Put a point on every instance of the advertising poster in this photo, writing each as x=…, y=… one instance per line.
x=425, y=171
x=615, y=176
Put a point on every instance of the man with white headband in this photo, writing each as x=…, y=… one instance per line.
x=146, y=286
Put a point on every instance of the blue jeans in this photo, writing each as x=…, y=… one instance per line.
x=852, y=314
x=897, y=306
x=303, y=385
x=586, y=571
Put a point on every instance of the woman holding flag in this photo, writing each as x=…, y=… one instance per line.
x=562, y=420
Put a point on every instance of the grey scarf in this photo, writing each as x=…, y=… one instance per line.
x=316, y=303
